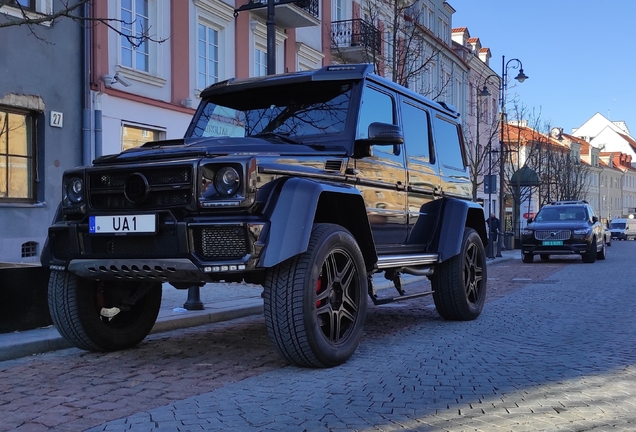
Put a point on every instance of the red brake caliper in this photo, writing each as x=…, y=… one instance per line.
x=318, y=289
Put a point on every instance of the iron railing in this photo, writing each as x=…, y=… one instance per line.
x=355, y=32
x=309, y=6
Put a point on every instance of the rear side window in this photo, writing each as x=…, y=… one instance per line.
x=415, y=128
x=448, y=144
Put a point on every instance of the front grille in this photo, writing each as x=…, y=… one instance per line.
x=552, y=234
x=220, y=242
x=167, y=187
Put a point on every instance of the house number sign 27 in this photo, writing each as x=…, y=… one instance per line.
x=57, y=119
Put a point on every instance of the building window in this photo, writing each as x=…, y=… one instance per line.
x=338, y=10
x=260, y=62
x=136, y=135
x=17, y=156
x=208, y=56
x=23, y=4
x=135, y=24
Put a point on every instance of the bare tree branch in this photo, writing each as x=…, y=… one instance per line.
x=71, y=10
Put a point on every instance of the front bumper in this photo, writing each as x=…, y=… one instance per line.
x=569, y=247
x=189, y=251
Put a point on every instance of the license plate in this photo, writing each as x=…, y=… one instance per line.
x=126, y=224
x=552, y=242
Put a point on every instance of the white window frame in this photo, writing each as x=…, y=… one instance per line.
x=260, y=60
x=209, y=77
x=124, y=22
x=338, y=5
x=219, y=16
x=259, y=41
x=154, y=75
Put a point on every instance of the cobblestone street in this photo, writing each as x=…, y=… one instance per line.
x=552, y=350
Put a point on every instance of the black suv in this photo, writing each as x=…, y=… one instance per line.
x=564, y=228
x=305, y=183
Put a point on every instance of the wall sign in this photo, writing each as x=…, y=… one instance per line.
x=57, y=119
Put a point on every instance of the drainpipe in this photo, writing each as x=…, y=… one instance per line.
x=86, y=102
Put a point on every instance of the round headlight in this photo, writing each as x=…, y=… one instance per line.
x=227, y=181
x=75, y=190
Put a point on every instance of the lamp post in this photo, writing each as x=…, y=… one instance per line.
x=489, y=180
x=521, y=77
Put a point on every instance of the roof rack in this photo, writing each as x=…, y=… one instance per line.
x=569, y=202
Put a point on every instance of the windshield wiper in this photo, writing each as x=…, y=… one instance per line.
x=281, y=136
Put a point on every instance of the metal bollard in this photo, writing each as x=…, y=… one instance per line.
x=499, y=244
x=194, y=299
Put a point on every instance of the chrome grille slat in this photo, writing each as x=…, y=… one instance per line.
x=552, y=234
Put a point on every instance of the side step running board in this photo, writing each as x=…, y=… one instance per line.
x=392, y=261
x=419, y=265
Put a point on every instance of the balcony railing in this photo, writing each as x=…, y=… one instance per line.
x=291, y=15
x=311, y=8
x=355, y=33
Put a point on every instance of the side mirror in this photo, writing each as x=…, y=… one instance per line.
x=383, y=134
x=594, y=219
x=379, y=134
x=530, y=219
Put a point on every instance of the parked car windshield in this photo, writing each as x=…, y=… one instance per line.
x=617, y=225
x=296, y=110
x=562, y=213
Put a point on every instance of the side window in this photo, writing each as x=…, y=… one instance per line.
x=415, y=123
x=448, y=144
x=376, y=107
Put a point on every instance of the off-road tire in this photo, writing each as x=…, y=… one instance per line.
x=315, y=303
x=75, y=305
x=544, y=257
x=527, y=257
x=590, y=256
x=459, y=283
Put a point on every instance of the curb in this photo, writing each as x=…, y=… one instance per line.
x=38, y=341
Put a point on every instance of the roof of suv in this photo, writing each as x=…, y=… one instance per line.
x=327, y=73
x=568, y=202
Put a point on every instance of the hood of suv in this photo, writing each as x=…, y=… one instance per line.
x=558, y=225
x=206, y=147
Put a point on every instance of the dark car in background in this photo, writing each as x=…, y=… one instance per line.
x=564, y=228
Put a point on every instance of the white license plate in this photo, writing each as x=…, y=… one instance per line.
x=122, y=224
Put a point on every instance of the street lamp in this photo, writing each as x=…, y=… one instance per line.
x=521, y=77
x=489, y=180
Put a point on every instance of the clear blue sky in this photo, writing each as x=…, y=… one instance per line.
x=579, y=54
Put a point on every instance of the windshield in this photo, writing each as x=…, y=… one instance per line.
x=562, y=213
x=293, y=110
x=617, y=225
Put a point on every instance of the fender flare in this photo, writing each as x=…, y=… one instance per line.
x=457, y=214
x=292, y=210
